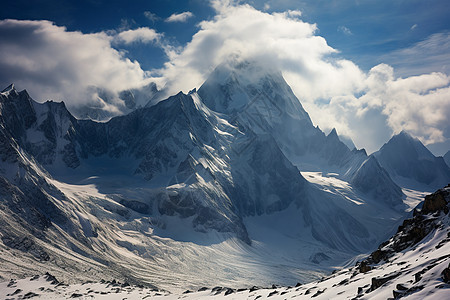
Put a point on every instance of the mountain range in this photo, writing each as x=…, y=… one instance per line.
x=230, y=184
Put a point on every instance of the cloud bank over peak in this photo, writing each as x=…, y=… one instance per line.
x=53, y=63
x=367, y=107
x=279, y=39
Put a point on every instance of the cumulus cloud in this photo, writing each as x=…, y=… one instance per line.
x=142, y=35
x=417, y=104
x=53, y=63
x=181, y=17
x=388, y=104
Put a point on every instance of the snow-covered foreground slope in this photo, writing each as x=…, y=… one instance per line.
x=413, y=264
x=167, y=251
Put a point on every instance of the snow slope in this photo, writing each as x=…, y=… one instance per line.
x=412, y=264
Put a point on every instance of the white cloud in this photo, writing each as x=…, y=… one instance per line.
x=417, y=104
x=280, y=39
x=53, y=63
x=345, y=30
x=413, y=27
x=151, y=16
x=181, y=17
x=294, y=13
x=142, y=34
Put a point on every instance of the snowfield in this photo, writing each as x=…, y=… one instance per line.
x=425, y=259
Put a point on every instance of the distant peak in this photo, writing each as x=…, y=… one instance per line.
x=333, y=133
x=362, y=150
x=406, y=137
x=404, y=134
x=9, y=88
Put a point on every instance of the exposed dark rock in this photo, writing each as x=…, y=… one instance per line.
x=446, y=274
x=272, y=294
x=377, y=282
x=360, y=290
x=76, y=295
x=398, y=294
x=202, y=289
x=30, y=295
x=254, y=288
x=35, y=277
x=318, y=293
x=50, y=277
x=364, y=267
x=436, y=202
x=11, y=283
x=15, y=292
x=229, y=291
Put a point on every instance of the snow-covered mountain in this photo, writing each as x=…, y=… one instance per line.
x=235, y=173
x=411, y=163
x=413, y=264
x=259, y=98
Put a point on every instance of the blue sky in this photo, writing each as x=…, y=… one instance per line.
x=379, y=66
x=365, y=31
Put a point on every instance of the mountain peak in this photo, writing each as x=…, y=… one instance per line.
x=333, y=134
x=238, y=86
x=10, y=90
x=406, y=143
x=406, y=156
x=405, y=134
